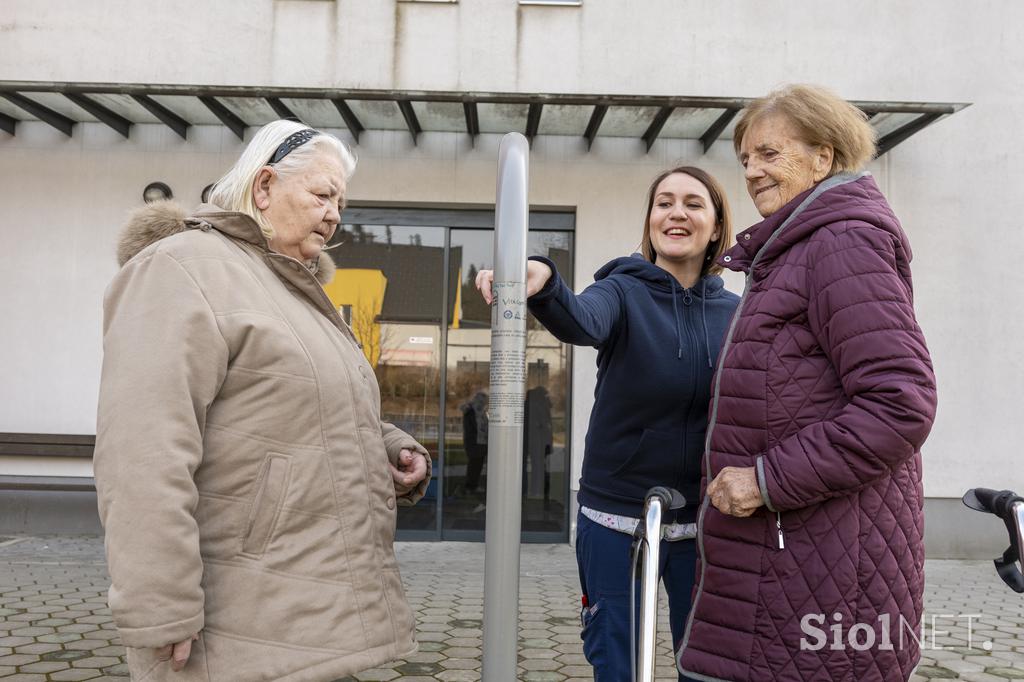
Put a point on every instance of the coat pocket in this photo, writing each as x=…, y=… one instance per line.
x=271, y=486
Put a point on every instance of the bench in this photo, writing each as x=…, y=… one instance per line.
x=46, y=445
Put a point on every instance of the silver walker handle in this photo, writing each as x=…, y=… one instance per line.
x=1018, y=516
x=650, y=545
x=1008, y=506
x=658, y=499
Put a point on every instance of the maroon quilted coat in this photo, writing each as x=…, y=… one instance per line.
x=825, y=387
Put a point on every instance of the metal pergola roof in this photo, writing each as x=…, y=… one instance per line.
x=121, y=105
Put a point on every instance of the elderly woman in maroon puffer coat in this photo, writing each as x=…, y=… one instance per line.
x=810, y=534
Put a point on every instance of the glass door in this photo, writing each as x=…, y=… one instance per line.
x=389, y=286
x=545, y=453
x=405, y=283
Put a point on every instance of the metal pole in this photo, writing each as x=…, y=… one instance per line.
x=505, y=412
x=649, y=588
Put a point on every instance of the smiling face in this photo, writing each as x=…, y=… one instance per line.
x=777, y=164
x=682, y=221
x=304, y=207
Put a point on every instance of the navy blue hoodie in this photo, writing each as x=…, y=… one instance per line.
x=657, y=347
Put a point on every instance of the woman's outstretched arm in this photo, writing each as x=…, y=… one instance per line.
x=590, y=318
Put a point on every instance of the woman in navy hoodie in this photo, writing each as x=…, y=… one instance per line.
x=657, y=319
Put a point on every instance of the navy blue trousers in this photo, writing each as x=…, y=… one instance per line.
x=604, y=559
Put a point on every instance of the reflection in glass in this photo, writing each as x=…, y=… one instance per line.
x=389, y=286
x=545, y=454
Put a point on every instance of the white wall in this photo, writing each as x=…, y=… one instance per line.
x=955, y=185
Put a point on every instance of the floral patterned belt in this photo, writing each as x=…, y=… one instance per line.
x=670, y=532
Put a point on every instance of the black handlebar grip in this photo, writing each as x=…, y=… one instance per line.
x=670, y=497
x=1001, y=504
x=987, y=498
x=981, y=499
x=998, y=502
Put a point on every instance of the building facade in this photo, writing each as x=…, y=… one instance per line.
x=423, y=194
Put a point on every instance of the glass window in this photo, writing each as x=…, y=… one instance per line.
x=389, y=285
x=408, y=291
x=545, y=454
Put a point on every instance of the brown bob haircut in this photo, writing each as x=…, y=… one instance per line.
x=821, y=117
x=723, y=218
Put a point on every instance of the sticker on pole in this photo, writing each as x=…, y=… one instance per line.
x=508, y=354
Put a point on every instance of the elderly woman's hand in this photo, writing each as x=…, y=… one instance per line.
x=735, y=492
x=177, y=653
x=411, y=470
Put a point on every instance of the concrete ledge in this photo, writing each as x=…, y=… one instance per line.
x=37, y=512
x=952, y=531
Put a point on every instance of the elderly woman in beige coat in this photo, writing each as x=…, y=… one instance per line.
x=247, y=484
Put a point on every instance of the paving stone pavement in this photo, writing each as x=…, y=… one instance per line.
x=55, y=625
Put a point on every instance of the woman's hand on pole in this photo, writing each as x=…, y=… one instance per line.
x=537, y=275
x=735, y=492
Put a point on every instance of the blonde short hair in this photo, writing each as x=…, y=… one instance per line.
x=233, y=192
x=821, y=118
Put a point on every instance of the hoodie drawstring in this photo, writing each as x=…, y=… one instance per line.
x=704, y=319
x=675, y=309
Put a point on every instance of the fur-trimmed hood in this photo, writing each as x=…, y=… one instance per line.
x=161, y=219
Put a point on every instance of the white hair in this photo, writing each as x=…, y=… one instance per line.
x=233, y=192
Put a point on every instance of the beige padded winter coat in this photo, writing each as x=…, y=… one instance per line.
x=241, y=462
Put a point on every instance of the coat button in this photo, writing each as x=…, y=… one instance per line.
x=746, y=237
x=727, y=259
x=391, y=503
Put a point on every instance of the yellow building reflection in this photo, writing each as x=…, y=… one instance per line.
x=358, y=294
